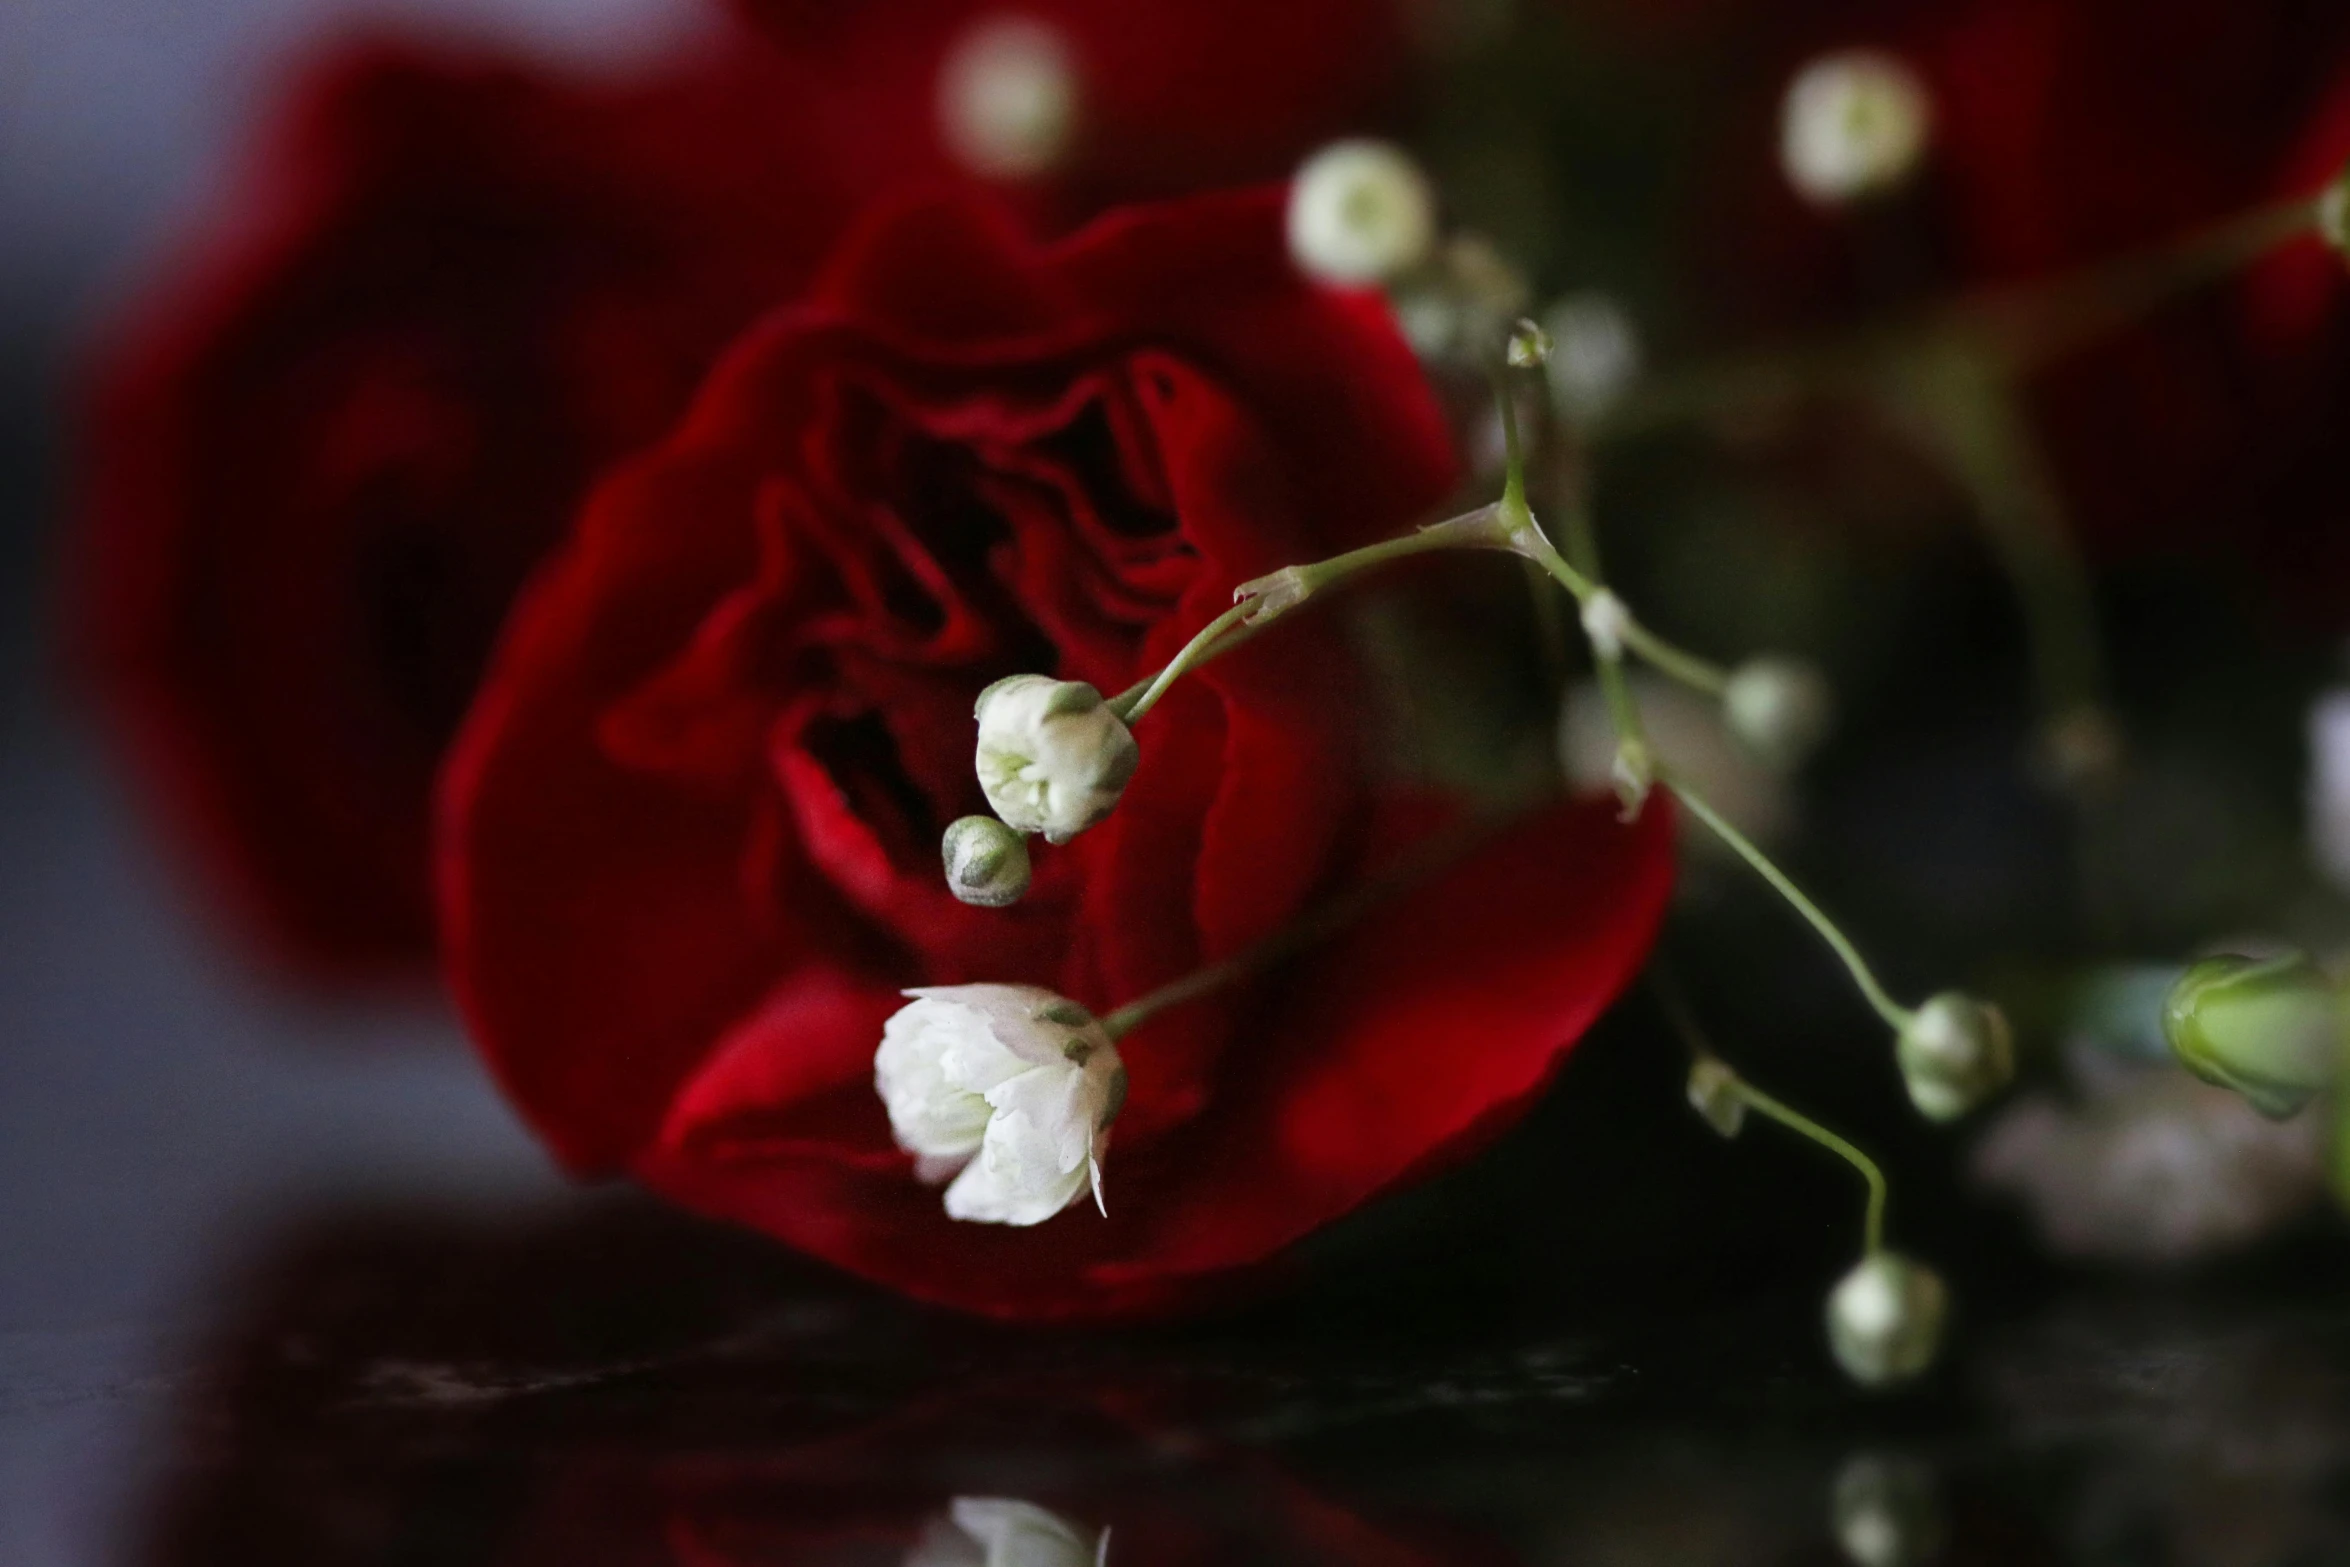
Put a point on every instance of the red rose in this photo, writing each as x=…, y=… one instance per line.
x=1170, y=95
x=689, y=846
x=326, y=453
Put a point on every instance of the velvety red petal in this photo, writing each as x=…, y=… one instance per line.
x=1405, y=1042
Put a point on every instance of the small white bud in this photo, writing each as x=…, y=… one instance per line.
x=1853, y=124
x=1605, y=621
x=1955, y=1052
x=1529, y=346
x=1008, y=98
x=1713, y=1094
x=986, y=862
x=1360, y=213
x=1594, y=354
x=1007, y=1089
x=1053, y=758
x=1885, y=1319
x=996, y=1531
x=1779, y=708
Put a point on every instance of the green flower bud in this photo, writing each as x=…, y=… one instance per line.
x=986, y=862
x=1885, y=1318
x=1955, y=1052
x=2271, y=1029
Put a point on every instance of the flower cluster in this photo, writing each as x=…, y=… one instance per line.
x=818, y=586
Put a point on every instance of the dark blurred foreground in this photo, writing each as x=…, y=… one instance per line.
x=401, y=1387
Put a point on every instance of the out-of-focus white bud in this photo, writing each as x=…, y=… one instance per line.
x=1955, y=1052
x=1008, y=1089
x=986, y=862
x=1605, y=620
x=1460, y=308
x=1888, y=1513
x=1779, y=708
x=2081, y=749
x=1594, y=354
x=1713, y=1094
x=1529, y=347
x=1008, y=98
x=1053, y=758
x=1690, y=741
x=1360, y=213
x=1853, y=124
x=996, y=1531
x=2333, y=214
x=2329, y=786
x=1885, y=1319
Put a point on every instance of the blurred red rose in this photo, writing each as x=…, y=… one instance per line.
x=1169, y=95
x=689, y=839
x=2066, y=133
x=323, y=456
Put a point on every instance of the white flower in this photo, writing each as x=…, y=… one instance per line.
x=1008, y=98
x=1009, y=1090
x=1779, y=708
x=2329, y=786
x=995, y=1531
x=1594, y=353
x=1052, y=757
x=1853, y=124
x=1360, y=212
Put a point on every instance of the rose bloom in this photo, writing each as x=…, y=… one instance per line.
x=689, y=842
x=359, y=405
x=1150, y=97
x=328, y=448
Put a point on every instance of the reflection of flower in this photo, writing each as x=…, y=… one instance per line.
x=995, y=1531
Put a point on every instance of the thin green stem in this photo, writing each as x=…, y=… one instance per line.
x=1895, y=1015
x=1139, y=699
x=2031, y=325
x=1701, y=1052
x=1261, y=602
x=1699, y=674
x=1873, y=1223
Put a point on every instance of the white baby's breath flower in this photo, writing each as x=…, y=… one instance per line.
x=996, y=1531
x=1008, y=98
x=1853, y=124
x=1360, y=212
x=1009, y=1090
x=1594, y=353
x=1053, y=758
